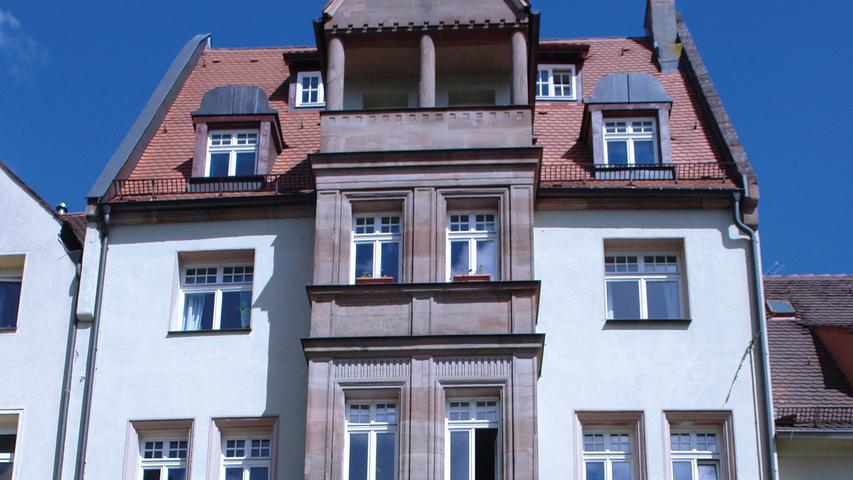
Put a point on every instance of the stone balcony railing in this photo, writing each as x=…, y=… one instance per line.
x=426, y=129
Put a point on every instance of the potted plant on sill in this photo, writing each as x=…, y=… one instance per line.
x=368, y=279
x=473, y=276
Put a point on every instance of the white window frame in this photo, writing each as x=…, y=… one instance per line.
x=630, y=136
x=233, y=148
x=608, y=456
x=165, y=462
x=472, y=236
x=552, y=94
x=695, y=455
x=217, y=288
x=372, y=428
x=471, y=425
x=321, y=93
x=377, y=238
x=247, y=461
x=643, y=277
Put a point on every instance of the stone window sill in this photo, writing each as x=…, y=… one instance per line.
x=202, y=333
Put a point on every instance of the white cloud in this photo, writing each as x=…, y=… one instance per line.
x=20, y=54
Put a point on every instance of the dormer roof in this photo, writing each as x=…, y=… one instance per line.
x=387, y=13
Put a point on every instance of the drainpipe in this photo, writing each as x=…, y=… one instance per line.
x=758, y=297
x=62, y=427
x=93, y=350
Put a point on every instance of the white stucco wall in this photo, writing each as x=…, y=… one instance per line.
x=145, y=374
x=33, y=356
x=815, y=458
x=650, y=368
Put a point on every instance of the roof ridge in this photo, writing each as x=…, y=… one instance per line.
x=270, y=47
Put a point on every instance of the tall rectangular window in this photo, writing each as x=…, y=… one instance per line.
x=630, y=141
x=376, y=251
x=216, y=297
x=246, y=457
x=10, y=297
x=8, y=441
x=472, y=439
x=371, y=441
x=695, y=455
x=555, y=82
x=231, y=153
x=309, y=89
x=472, y=244
x=163, y=458
x=608, y=454
x=643, y=286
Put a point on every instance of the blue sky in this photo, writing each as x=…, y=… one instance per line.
x=74, y=75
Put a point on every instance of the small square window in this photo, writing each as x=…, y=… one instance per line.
x=235, y=448
x=556, y=82
x=643, y=286
x=309, y=89
x=630, y=142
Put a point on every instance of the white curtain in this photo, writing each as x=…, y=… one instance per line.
x=193, y=311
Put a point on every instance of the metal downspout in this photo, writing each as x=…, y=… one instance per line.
x=758, y=298
x=62, y=426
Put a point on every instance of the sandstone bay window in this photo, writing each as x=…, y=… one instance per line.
x=472, y=245
x=376, y=252
x=246, y=458
x=630, y=141
x=608, y=455
x=216, y=297
x=555, y=82
x=231, y=153
x=643, y=286
x=309, y=89
x=471, y=439
x=371, y=441
x=695, y=455
x=163, y=458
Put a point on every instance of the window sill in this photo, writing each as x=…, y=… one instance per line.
x=8, y=330
x=676, y=323
x=310, y=105
x=194, y=333
x=556, y=99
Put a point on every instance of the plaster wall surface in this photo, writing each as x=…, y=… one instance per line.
x=146, y=373
x=815, y=458
x=592, y=365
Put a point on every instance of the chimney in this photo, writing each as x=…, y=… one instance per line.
x=660, y=27
x=61, y=209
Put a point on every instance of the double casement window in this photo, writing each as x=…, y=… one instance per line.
x=472, y=446
x=231, y=153
x=10, y=296
x=643, y=286
x=216, y=297
x=630, y=141
x=555, y=82
x=376, y=247
x=246, y=458
x=371, y=441
x=309, y=89
x=163, y=458
x=695, y=455
x=472, y=244
x=607, y=455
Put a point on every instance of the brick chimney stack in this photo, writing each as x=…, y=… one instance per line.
x=660, y=27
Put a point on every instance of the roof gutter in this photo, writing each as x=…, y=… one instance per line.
x=827, y=433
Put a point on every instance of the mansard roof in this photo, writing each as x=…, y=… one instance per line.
x=387, y=13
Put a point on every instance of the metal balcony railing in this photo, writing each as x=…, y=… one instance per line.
x=153, y=188
x=814, y=417
x=672, y=173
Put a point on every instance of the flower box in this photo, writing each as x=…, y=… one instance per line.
x=472, y=278
x=373, y=281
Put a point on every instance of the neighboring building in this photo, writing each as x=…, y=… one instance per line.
x=406, y=171
x=39, y=253
x=811, y=360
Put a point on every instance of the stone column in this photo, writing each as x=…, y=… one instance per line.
x=335, y=75
x=426, y=91
x=519, y=68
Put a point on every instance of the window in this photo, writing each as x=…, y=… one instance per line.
x=8, y=439
x=216, y=297
x=309, y=90
x=472, y=244
x=163, y=458
x=371, y=441
x=607, y=455
x=10, y=296
x=695, y=455
x=556, y=82
x=376, y=246
x=630, y=141
x=472, y=440
x=231, y=154
x=246, y=458
x=643, y=286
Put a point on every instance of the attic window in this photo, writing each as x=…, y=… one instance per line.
x=555, y=82
x=231, y=153
x=309, y=90
x=780, y=308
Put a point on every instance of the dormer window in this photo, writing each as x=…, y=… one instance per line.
x=555, y=82
x=231, y=153
x=309, y=90
x=630, y=141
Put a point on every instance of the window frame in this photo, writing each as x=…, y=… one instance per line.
x=472, y=236
x=247, y=461
x=551, y=68
x=19, y=280
x=321, y=91
x=643, y=277
x=164, y=463
x=218, y=288
x=630, y=138
x=377, y=238
x=372, y=429
x=607, y=456
x=471, y=425
x=232, y=149
x=695, y=456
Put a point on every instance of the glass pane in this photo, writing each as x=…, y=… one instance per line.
x=621, y=471
x=259, y=473
x=245, y=163
x=644, y=152
x=198, y=311
x=708, y=471
x=485, y=453
x=623, y=300
x=6, y=471
x=390, y=263
x=236, y=307
x=459, y=456
x=10, y=295
x=364, y=260
x=487, y=258
x=663, y=300
x=594, y=471
x=682, y=471
x=358, y=456
x=459, y=257
x=385, y=456
x=617, y=152
x=151, y=474
x=234, y=473
x=177, y=474
x=219, y=164
x=7, y=443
